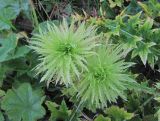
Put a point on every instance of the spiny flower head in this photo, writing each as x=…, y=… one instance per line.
x=63, y=50
x=106, y=79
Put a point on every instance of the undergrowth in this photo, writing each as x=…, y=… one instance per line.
x=79, y=60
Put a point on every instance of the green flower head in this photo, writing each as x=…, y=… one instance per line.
x=105, y=79
x=63, y=51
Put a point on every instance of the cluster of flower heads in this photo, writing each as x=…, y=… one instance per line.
x=106, y=78
x=63, y=51
x=73, y=52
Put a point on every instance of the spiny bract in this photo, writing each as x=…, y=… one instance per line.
x=105, y=79
x=63, y=50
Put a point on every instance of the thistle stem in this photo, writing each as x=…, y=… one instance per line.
x=74, y=112
x=145, y=103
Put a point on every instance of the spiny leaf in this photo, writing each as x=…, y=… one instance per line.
x=136, y=36
x=58, y=112
x=102, y=118
x=118, y=114
x=143, y=50
x=114, y=3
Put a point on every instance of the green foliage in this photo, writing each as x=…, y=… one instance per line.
x=114, y=113
x=106, y=78
x=84, y=76
x=2, y=93
x=9, y=10
x=151, y=8
x=114, y=3
x=7, y=46
x=105, y=9
x=136, y=36
x=63, y=50
x=1, y=116
x=158, y=112
x=62, y=113
x=157, y=98
x=158, y=85
x=118, y=114
x=23, y=103
x=3, y=71
x=9, y=49
x=102, y=118
x=61, y=7
x=5, y=16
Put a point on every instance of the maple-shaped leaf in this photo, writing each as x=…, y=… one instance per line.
x=9, y=49
x=9, y=10
x=7, y=46
x=23, y=104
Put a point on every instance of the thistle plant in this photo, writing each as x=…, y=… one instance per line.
x=63, y=51
x=106, y=78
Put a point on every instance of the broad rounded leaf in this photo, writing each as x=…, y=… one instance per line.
x=9, y=49
x=6, y=14
x=7, y=46
x=9, y=10
x=23, y=104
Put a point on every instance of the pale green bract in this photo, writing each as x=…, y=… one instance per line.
x=106, y=79
x=63, y=51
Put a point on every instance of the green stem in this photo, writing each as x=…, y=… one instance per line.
x=74, y=112
x=145, y=103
